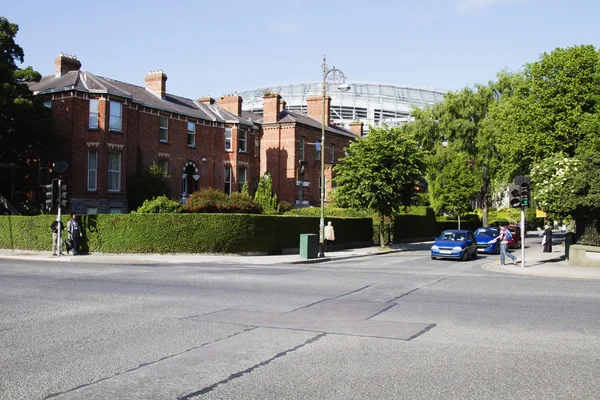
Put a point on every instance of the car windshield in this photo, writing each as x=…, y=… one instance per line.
x=487, y=232
x=453, y=236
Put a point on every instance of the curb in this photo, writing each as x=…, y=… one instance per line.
x=325, y=259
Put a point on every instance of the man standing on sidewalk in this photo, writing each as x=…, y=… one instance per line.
x=504, y=237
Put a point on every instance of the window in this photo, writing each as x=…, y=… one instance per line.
x=92, y=170
x=332, y=153
x=242, y=173
x=48, y=103
x=116, y=121
x=93, y=114
x=242, y=139
x=321, y=188
x=256, y=147
x=164, y=165
x=227, y=139
x=164, y=129
x=114, y=172
x=92, y=210
x=301, y=149
x=114, y=211
x=318, y=150
x=191, y=134
x=227, y=180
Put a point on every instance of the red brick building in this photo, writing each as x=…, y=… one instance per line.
x=111, y=129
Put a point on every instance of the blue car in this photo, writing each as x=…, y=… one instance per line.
x=453, y=243
x=483, y=237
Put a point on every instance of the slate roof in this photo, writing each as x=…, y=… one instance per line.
x=90, y=83
x=298, y=117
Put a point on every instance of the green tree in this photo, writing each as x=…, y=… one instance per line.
x=547, y=109
x=460, y=122
x=26, y=126
x=160, y=204
x=453, y=181
x=380, y=172
x=150, y=182
x=264, y=195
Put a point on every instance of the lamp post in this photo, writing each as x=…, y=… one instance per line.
x=330, y=76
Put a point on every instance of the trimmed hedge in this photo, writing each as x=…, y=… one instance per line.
x=183, y=233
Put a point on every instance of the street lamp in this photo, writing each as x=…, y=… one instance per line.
x=330, y=76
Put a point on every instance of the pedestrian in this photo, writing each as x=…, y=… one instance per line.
x=55, y=227
x=504, y=237
x=329, y=237
x=74, y=232
x=547, y=240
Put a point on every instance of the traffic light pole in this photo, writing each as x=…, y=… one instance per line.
x=59, y=222
x=523, y=237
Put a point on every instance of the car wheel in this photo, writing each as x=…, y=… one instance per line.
x=433, y=258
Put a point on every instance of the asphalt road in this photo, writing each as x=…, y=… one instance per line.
x=397, y=326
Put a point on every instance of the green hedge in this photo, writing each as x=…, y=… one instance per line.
x=183, y=233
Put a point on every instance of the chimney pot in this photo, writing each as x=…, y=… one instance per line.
x=66, y=63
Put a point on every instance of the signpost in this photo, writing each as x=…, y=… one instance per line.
x=59, y=166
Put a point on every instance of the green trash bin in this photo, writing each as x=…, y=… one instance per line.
x=568, y=243
x=309, y=245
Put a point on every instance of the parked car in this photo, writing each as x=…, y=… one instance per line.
x=483, y=236
x=515, y=242
x=454, y=243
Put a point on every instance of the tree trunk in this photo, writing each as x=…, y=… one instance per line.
x=381, y=231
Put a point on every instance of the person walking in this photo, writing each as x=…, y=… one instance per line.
x=55, y=227
x=74, y=232
x=329, y=237
x=504, y=237
x=547, y=240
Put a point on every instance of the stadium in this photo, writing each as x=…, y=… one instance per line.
x=370, y=103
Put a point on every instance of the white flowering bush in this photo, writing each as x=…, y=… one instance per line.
x=553, y=180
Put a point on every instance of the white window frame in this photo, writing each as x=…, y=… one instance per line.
x=227, y=172
x=164, y=129
x=256, y=146
x=242, y=141
x=93, y=118
x=228, y=142
x=114, y=175
x=191, y=134
x=332, y=153
x=115, y=122
x=242, y=177
x=301, y=149
x=319, y=150
x=92, y=181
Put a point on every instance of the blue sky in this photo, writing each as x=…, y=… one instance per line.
x=219, y=47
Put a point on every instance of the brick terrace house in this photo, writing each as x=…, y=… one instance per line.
x=112, y=128
x=289, y=148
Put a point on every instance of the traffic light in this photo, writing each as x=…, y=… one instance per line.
x=51, y=192
x=514, y=196
x=525, y=197
x=63, y=196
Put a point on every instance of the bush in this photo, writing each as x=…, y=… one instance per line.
x=160, y=204
x=213, y=201
x=284, y=207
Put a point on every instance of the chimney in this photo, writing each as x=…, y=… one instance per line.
x=206, y=100
x=231, y=103
x=356, y=127
x=65, y=63
x=156, y=82
x=271, y=106
x=282, y=105
x=314, y=108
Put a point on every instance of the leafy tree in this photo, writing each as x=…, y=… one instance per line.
x=150, y=182
x=547, y=109
x=380, y=172
x=160, y=204
x=460, y=122
x=453, y=181
x=245, y=189
x=26, y=126
x=264, y=195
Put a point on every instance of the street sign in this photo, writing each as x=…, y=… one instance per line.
x=60, y=166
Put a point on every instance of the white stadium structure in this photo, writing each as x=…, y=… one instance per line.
x=370, y=103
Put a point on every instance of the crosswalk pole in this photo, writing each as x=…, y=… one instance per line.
x=523, y=228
